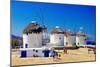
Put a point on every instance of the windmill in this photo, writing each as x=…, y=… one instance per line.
x=45, y=34
x=81, y=37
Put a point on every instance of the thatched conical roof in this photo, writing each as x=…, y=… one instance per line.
x=34, y=27
x=81, y=34
x=57, y=30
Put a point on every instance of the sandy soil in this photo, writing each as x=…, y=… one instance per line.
x=78, y=55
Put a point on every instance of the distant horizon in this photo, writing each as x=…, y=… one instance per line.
x=63, y=15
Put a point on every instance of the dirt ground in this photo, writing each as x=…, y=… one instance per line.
x=77, y=55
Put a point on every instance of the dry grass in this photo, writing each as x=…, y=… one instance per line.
x=78, y=55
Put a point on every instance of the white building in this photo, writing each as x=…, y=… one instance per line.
x=69, y=39
x=56, y=37
x=36, y=52
x=80, y=39
x=34, y=39
x=33, y=36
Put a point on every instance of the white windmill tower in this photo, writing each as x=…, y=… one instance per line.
x=32, y=35
x=57, y=37
x=81, y=38
x=69, y=39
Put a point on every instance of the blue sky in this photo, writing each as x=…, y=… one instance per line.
x=64, y=15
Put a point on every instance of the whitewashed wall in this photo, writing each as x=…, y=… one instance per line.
x=30, y=53
x=71, y=40
x=25, y=40
x=34, y=40
x=80, y=40
x=57, y=39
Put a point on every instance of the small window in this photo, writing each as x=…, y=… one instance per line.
x=66, y=43
x=33, y=49
x=74, y=43
x=78, y=43
x=21, y=46
x=36, y=50
x=26, y=45
x=59, y=37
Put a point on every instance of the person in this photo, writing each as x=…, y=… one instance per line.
x=55, y=56
x=65, y=51
x=46, y=52
x=59, y=55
